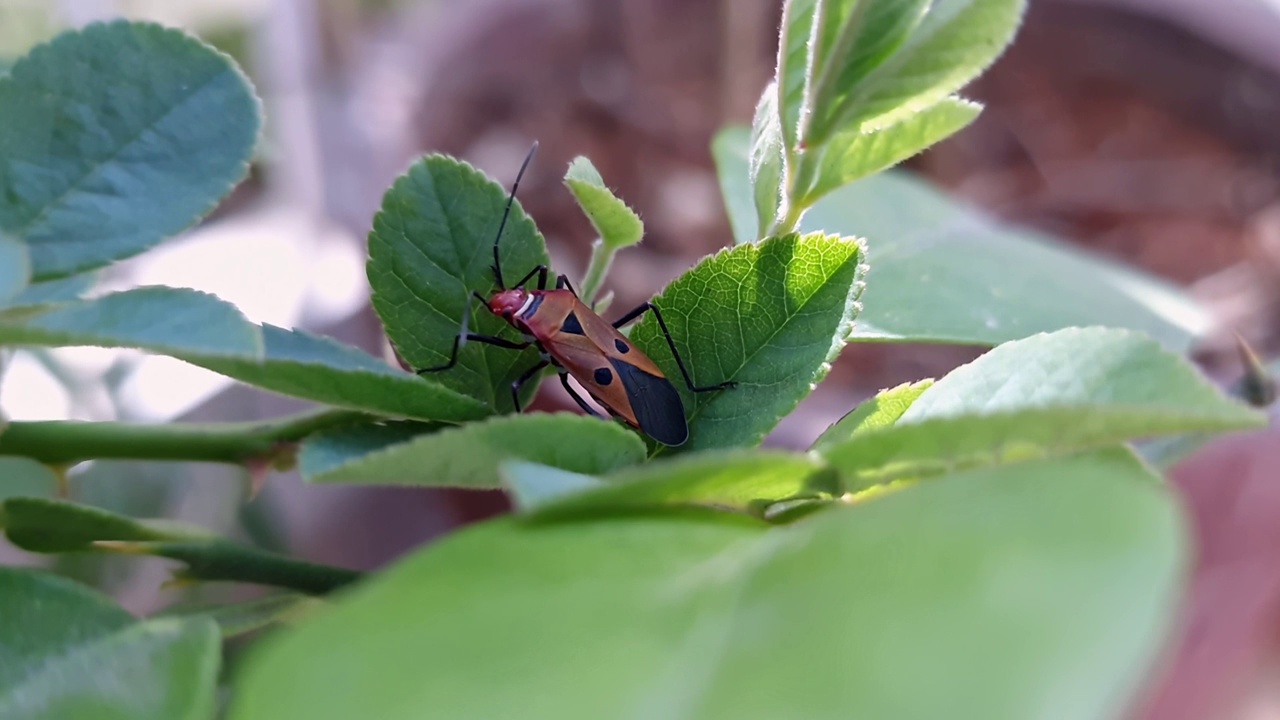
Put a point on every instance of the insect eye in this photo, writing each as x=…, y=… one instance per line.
x=506, y=314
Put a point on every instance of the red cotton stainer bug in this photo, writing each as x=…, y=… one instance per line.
x=578, y=342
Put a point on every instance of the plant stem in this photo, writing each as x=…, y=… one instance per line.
x=601, y=259
x=64, y=442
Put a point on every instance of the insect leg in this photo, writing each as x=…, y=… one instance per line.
x=564, y=380
x=541, y=271
x=562, y=283
x=672, y=343
x=463, y=337
x=520, y=381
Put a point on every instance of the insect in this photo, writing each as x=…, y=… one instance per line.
x=576, y=341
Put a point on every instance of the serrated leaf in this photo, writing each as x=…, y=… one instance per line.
x=743, y=480
x=113, y=138
x=467, y=456
x=64, y=289
x=793, y=69
x=766, y=166
x=67, y=651
x=771, y=316
x=531, y=485
x=856, y=153
x=878, y=413
x=854, y=37
x=299, y=364
x=956, y=40
x=159, y=319
x=617, y=225
x=55, y=526
x=942, y=268
x=432, y=246
x=1050, y=394
x=1038, y=591
x=15, y=269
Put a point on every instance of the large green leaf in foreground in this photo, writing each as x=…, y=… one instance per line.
x=113, y=138
x=68, y=653
x=771, y=316
x=946, y=272
x=1040, y=590
x=432, y=246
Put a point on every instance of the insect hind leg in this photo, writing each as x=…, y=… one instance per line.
x=688, y=381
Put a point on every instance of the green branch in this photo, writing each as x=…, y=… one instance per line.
x=64, y=442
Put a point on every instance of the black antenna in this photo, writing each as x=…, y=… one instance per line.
x=497, y=264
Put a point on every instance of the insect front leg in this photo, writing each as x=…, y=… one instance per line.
x=463, y=337
x=688, y=381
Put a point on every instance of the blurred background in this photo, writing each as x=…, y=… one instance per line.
x=1146, y=130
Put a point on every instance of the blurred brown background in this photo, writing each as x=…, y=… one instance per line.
x=1143, y=129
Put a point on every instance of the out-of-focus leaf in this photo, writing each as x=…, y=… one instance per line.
x=617, y=224
x=878, y=413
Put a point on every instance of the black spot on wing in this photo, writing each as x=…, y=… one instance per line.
x=655, y=403
x=603, y=376
x=621, y=346
x=571, y=325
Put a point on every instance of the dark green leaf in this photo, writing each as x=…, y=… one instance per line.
x=1038, y=591
x=113, y=138
x=771, y=315
x=766, y=159
x=942, y=269
x=54, y=526
x=1049, y=394
x=468, y=456
x=217, y=560
x=15, y=269
x=430, y=248
x=617, y=225
x=878, y=413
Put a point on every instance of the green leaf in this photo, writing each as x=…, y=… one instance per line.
x=771, y=316
x=1038, y=591
x=956, y=41
x=766, y=166
x=55, y=526
x=23, y=476
x=432, y=246
x=942, y=269
x=856, y=153
x=15, y=269
x=159, y=319
x=68, y=652
x=854, y=38
x=878, y=413
x=218, y=560
x=616, y=224
x=532, y=485
x=113, y=138
x=744, y=480
x=730, y=149
x=1050, y=394
x=162, y=669
x=299, y=364
x=64, y=289
x=467, y=456
x=793, y=71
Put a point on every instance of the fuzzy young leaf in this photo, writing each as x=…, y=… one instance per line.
x=15, y=269
x=1050, y=394
x=468, y=456
x=617, y=224
x=794, y=69
x=956, y=41
x=744, y=480
x=767, y=151
x=1039, y=591
x=878, y=413
x=432, y=246
x=942, y=268
x=731, y=150
x=771, y=316
x=856, y=153
x=68, y=652
x=113, y=138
